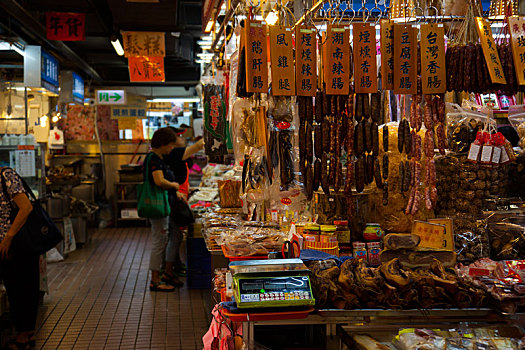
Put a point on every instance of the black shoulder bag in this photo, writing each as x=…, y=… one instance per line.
x=39, y=233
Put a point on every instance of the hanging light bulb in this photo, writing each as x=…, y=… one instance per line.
x=43, y=121
x=272, y=18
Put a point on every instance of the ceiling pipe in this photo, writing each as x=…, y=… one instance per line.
x=34, y=29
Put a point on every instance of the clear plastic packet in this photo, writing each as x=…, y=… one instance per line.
x=471, y=239
x=281, y=108
x=229, y=192
x=517, y=120
x=463, y=126
x=507, y=238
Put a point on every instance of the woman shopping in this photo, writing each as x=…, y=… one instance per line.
x=177, y=163
x=162, y=143
x=19, y=271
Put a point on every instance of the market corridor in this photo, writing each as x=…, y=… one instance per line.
x=99, y=299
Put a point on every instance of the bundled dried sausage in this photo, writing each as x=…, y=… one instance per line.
x=349, y=141
x=410, y=203
x=401, y=136
x=326, y=104
x=333, y=136
x=368, y=136
x=417, y=147
x=325, y=130
x=385, y=193
x=319, y=106
x=338, y=176
x=349, y=182
x=441, y=139
x=325, y=184
x=301, y=101
x=429, y=124
x=309, y=144
x=318, y=141
x=366, y=106
x=375, y=107
x=358, y=107
x=317, y=175
x=419, y=117
x=332, y=171
x=369, y=169
x=359, y=146
x=377, y=174
x=375, y=138
x=435, y=109
x=309, y=185
x=385, y=166
x=309, y=107
x=360, y=174
x=429, y=143
x=417, y=202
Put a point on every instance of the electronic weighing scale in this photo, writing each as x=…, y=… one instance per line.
x=271, y=283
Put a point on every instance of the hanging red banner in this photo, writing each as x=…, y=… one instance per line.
x=144, y=68
x=66, y=26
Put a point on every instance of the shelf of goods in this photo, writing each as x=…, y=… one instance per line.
x=125, y=203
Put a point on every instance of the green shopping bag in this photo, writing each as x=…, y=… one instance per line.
x=152, y=200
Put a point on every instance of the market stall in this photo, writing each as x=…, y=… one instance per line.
x=385, y=155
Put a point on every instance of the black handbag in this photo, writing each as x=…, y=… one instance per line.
x=181, y=213
x=39, y=233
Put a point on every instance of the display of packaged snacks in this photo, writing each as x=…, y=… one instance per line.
x=471, y=238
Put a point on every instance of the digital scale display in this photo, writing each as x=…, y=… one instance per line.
x=295, y=290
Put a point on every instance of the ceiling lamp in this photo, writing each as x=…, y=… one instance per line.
x=401, y=10
x=116, y=45
x=272, y=18
x=499, y=8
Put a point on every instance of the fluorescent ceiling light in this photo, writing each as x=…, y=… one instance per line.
x=207, y=38
x=118, y=48
x=176, y=100
x=5, y=46
x=209, y=26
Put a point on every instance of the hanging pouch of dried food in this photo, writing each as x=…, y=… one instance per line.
x=214, y=121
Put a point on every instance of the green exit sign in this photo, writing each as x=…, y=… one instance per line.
x=111, y=97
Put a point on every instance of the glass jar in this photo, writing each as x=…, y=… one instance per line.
x=342, y=231
x=373, y=232
x=328, y=234
x=359, y=250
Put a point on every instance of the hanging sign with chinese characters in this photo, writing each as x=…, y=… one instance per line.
x=66, y=26
x=256, y=57
x=336, y=61
x=365, y=53
x=387, y=54
x=433, y=70
x=143, y=44
x=490, y=51
x=305, y=60
x=517, y=42
x=143, y=69
x=281, y=55
x=405, y=59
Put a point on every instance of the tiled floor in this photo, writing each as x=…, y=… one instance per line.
x=99, y=300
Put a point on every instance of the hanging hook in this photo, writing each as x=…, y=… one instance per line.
x=436, y=11
x=376, y=7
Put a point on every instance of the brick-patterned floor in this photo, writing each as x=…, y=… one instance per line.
x=99, y=299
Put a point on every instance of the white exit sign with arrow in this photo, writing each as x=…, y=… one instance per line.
x=111, y=97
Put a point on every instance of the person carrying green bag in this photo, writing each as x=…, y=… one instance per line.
x=153, y=201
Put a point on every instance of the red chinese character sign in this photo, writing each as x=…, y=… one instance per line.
x=433, y=70
x=306, y=60
x=387, y=54
x=405, y=59
x=365, y=53
x=144, y=69
x=143, y=44
x=256, y=57
x=336, y=60
x=65, y=26
x=281, y=55
x=517, y=34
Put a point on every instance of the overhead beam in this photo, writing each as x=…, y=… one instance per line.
x=34, y=29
